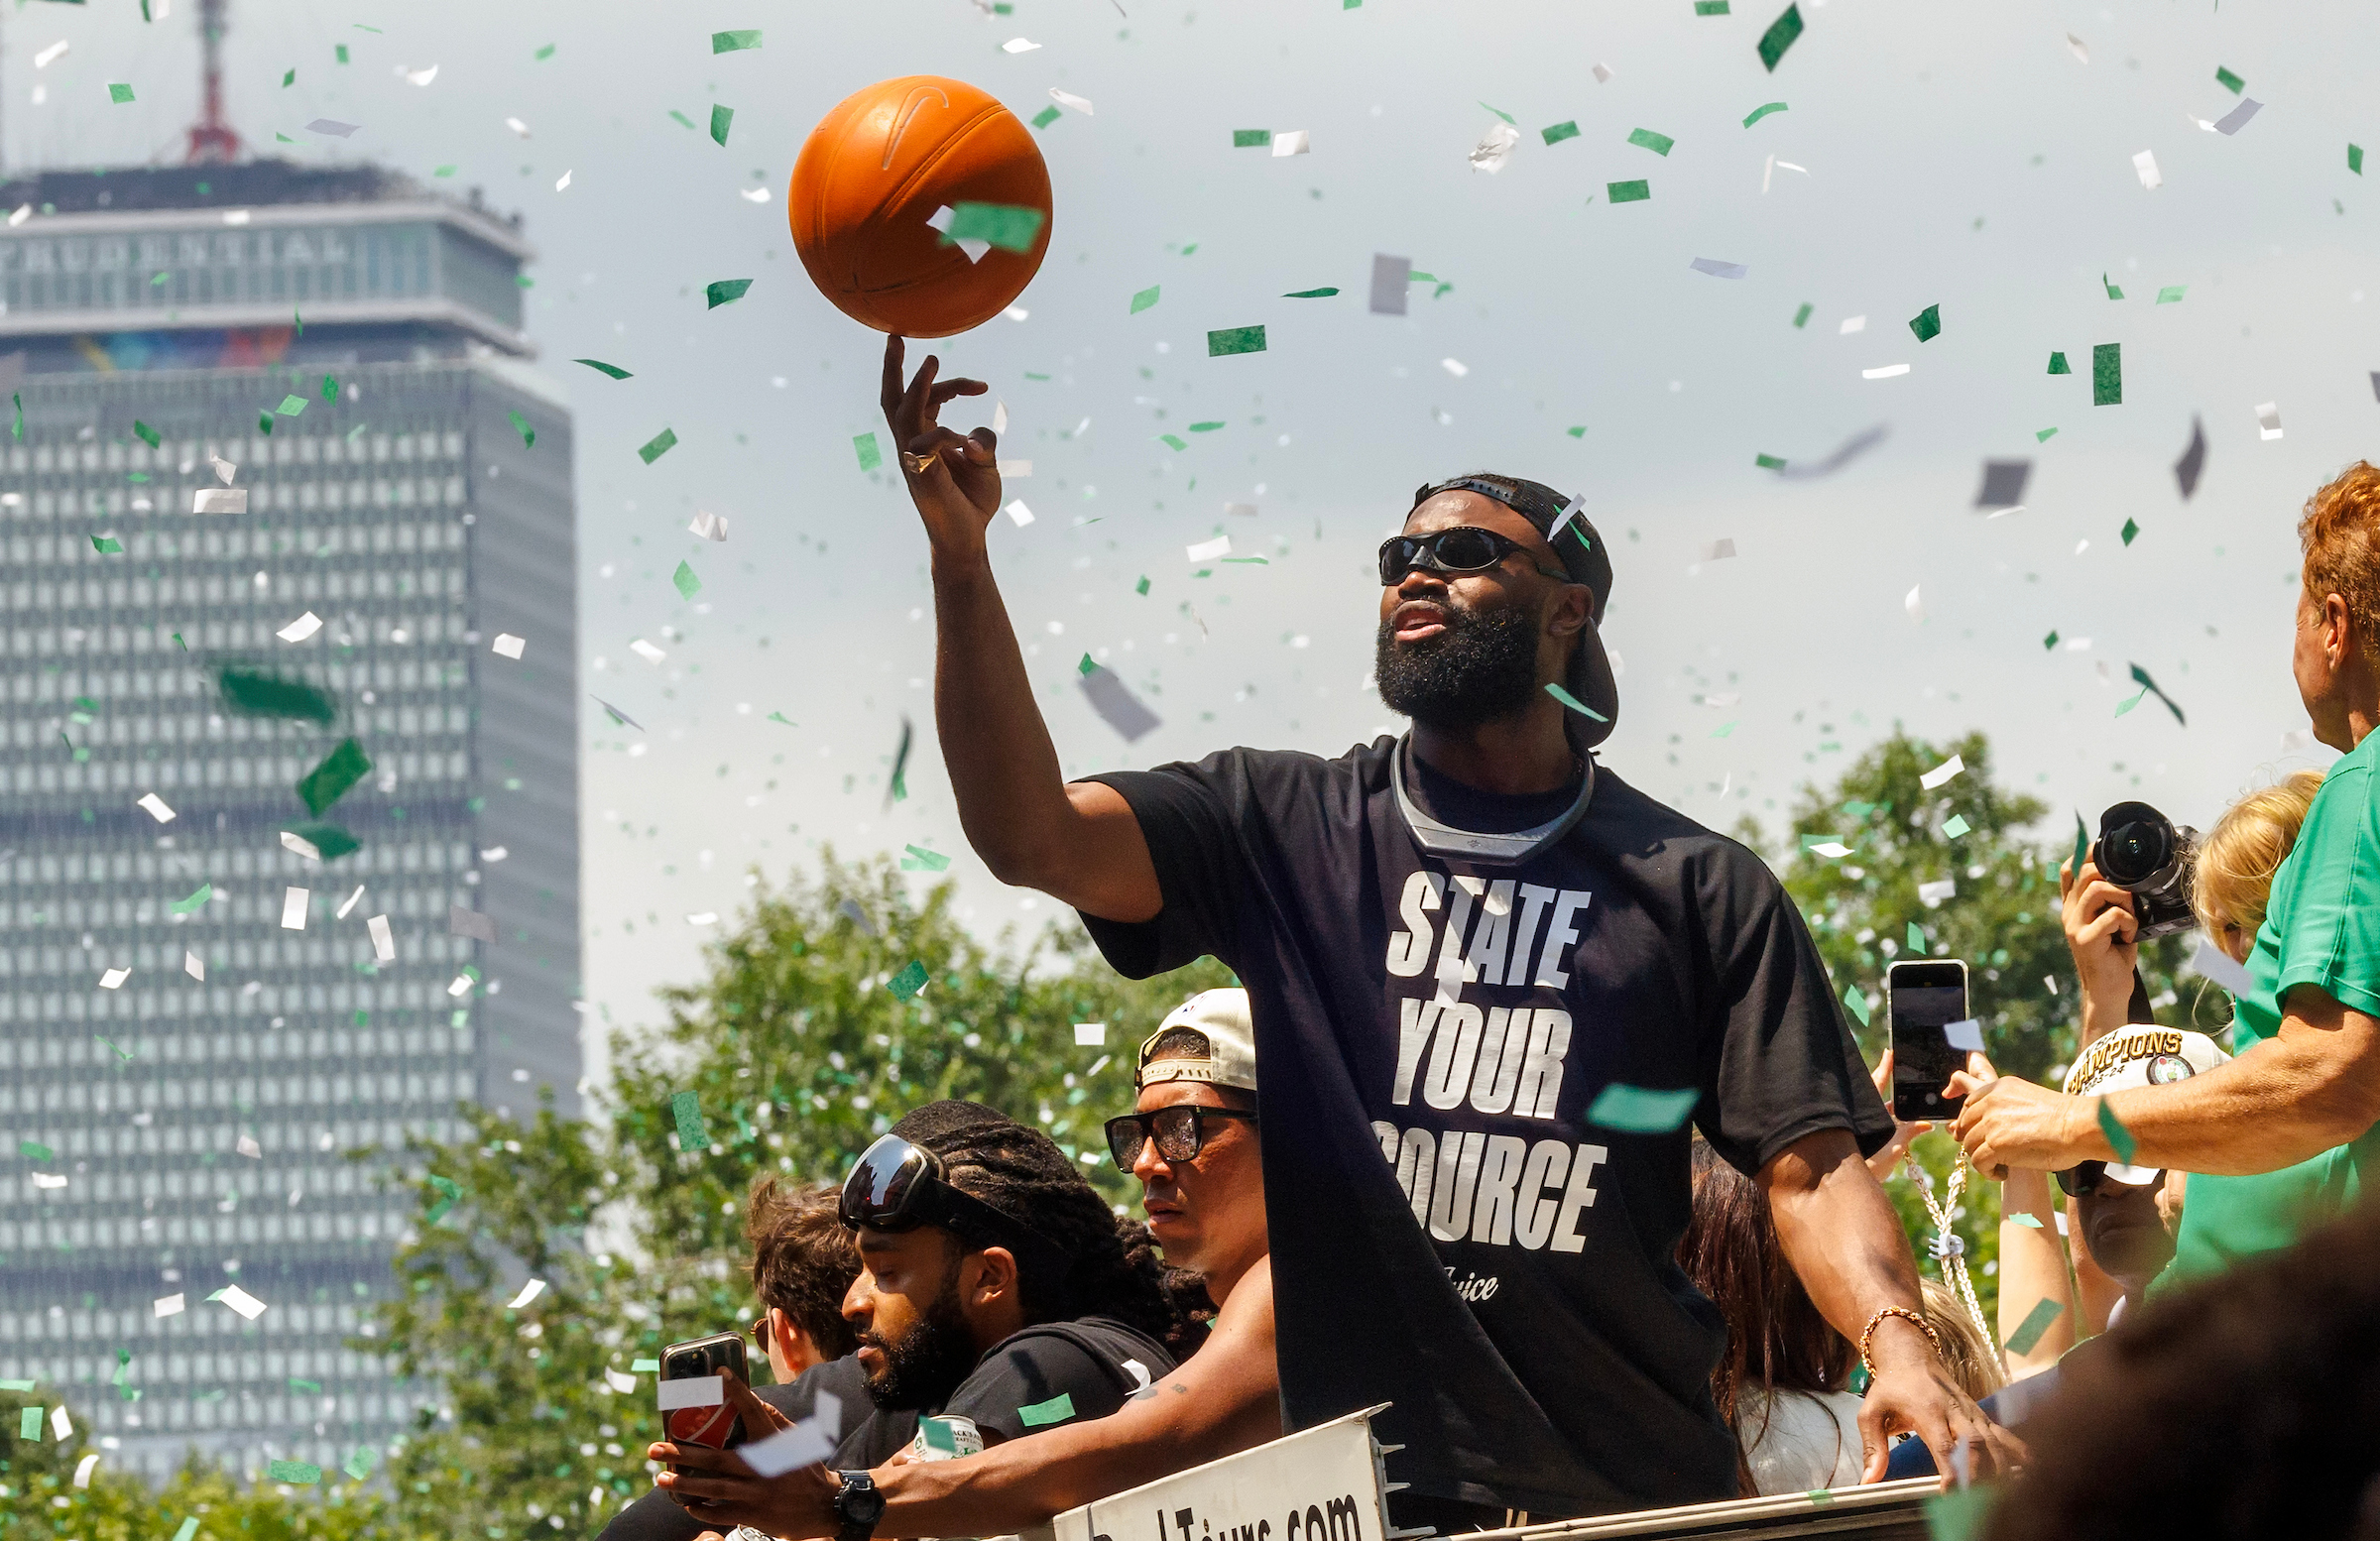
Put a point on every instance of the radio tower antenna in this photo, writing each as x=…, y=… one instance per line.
x=212, y=139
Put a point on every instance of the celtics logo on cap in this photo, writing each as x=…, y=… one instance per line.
x=2166, y=1069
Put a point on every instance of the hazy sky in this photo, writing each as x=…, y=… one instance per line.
x=1959, y=155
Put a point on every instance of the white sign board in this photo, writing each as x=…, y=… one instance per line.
x=1320, y=1485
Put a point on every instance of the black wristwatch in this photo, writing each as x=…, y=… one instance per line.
x=858, y=1507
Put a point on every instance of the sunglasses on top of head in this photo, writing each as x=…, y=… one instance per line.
x=1464, y=548
x=898, y=1186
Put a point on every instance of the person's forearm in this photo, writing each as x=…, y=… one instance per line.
x=1022, y=1482
x=2032, y=1270
x=1003, y=769
x=1840, y=1233
x=2104, y=1010
x=2275, y=1106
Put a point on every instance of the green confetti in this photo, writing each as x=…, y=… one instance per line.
x=16, y=1385
x=1251, y=139
x=1010, y=227
x=529, y=435
x=687, y=1108
x=2044, y=435
x=331, y=389
x=1574, y=703
x=659, y=445
x=446, y=170
x=1087, y=665
x=1144, y=299
x=1311, y=293
x=681, y=117
x=2051, y=640
x=119, y=94
x=2107, y=375
x=29, y=1423
x=870, y=457
x=450, y=1193
x=2113, y=290
x=1141, y=587
x=145, y=434
x=907, y=982
x=290, y=406
x=2081, y=847
x=725, y=292
x=1955, y=826
x=2029, y=1222
x=721, y=118
x=32, y=1150
x=2119, y=1139
x=1916, y=937
x=1801, y=317
x=921, y=860
x=1927, y=324
x=19, y=430
x=1578, y=430
x=1770, y=462
x=339, y=49
x=1172, y=442
x=289, y=79
x=1779, y=37
x=293, y=1471
x=688, y=585
x=359, y=1464
x=1234, y=340
x=1711, y=7
x=1048, y=115
x=939, y=1435
x=2131, y=531
x=1038, y=1415
x=781, y=717
x=196, y=903
x=107, y=546
x=1762, y=111
x=270, y=695
x=1724, y=730
x=1857, y=1003
x=1961, y=1513
x=2356, y=159
x=2229, y=82
x=1559, y=132
x=1499, y=112
x=1646, y=139
x=645, y=1366
x=613, y=370
x=328, y=781
x=1205, y=428
x=2058, y=365
x=2171, y=295
x=2140, y=677
x=1637, y=1110
x=546, y=52
x=734, y=42
x=1629, y=191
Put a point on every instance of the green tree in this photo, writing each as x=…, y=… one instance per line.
x=1864, y=910
x=811, y=1034
x=39, y=1499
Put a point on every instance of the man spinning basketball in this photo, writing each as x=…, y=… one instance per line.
x=1451, y=943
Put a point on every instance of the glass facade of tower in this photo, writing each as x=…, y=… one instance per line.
x=197, y=1023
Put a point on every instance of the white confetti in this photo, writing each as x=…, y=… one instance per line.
x=236, y=216
x=1288, y=143
x=1008, y=468
x=241, y=1301
x=349, y=904
x=1888, y=372
x=2268, y=421
x=301, y=629
x=1454, y=367
x=1090, y=1035
x=2237, y=118
x=246, y=1146
x=709, y=526
x=1967, y=1035
x=193, y=964
x=384, y=943
x=1081, y=104
x=60, y=1426
x=528, y=1292
x=156, y=807
x=1720, y=549
x=2212, y=962
x=1018, y=46
x=619, y=1381
x=418, y=76
x=114, y=978
x=168, y=1305
x=50, y=54
x=1491, y=154
x=1856, y=323
x=19, y=215
x=1603, y=74
x=2076, y=47
x=49, y=1179
x=293, y=841
x=1932, y=894
x=646, y=650
x=754, y=194
x=562, y=183
x=692, y=1392
x=1208, y=551
x=1913, y=604
x=292, y=908
x=1241, y=510
x=334, y=127
x=2146, y=164
x=517, y=126
x=1020, y=513
x=706, y=917
x=803, y=1444
x=507, y=645
x=1717, y=268
x=1942, y=773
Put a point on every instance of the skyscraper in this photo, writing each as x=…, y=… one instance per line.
x=277, y=419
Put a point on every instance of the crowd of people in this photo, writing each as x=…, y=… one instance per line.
x=1472, y=957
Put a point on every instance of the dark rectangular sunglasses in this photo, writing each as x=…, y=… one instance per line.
x=1180, y=1132
x=1464, y=548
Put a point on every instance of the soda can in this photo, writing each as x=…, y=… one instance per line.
x=946, y=1439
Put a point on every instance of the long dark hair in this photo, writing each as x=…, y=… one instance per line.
x=1776, y=1338
x=1114, y=1270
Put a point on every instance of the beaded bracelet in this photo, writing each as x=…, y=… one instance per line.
x=1868, y=1334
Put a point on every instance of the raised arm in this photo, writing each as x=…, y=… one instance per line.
x=1078, y=843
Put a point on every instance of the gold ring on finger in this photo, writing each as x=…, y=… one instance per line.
x=918, y=464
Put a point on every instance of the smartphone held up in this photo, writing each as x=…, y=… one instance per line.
x=711, y=1422
x=1932, y=1032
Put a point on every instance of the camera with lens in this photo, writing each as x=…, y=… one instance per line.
x=2148, y=857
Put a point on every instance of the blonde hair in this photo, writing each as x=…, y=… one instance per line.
x=2233, y=873
x=1965, y=1353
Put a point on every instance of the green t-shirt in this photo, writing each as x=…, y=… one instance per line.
x=2322, y=928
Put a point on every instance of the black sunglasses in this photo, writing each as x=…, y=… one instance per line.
x=1179, y=1131
x=898, y=1186
x=1464, y=548
x=2089, y=1178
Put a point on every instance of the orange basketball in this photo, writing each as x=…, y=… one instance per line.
x=869, y=182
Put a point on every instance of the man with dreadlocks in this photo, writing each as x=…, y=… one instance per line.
x=1491, y=983
x=996, y=1285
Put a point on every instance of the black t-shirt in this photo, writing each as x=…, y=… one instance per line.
x=659, y=1518
x=1082, y=1361
x=1432, y=1035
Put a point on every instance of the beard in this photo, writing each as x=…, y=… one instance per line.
x=929, y=1360
x=1482, y=667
